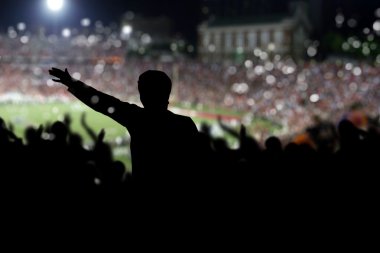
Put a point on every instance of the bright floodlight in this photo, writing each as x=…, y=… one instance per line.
x=54, y=5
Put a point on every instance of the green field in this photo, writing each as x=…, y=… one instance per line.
x=24, y=115
x=34, y=114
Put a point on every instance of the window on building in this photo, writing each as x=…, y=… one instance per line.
x=228, y=41
x=217, y=40
x=206, y=39
x=279, y=37
x=265, y=39
x=239, y=39
x=252, y=40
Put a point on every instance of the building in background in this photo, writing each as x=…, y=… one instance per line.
x=235, y=33
x=151, y=36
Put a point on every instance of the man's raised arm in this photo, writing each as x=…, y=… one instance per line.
x=95, y=99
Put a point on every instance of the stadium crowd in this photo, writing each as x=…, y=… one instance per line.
x=53, y=160
x=270, y=87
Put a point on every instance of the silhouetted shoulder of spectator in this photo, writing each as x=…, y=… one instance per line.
x=59, y=133
x=350, y=136
x=273, y=144
x=7, y=136
x=33, y=136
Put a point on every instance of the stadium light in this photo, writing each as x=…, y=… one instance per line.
x=54, y=5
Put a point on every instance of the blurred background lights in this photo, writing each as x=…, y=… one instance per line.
x=271, y=47
x=85, y=22
x=366, y=30
x=259, y=70
x=314, y=98
x=339, y=19
x=257, y=52
x=77, y=75
x=211, y=48
x=352, y=23
x=190, y=48
x=311, y=51
x=21, y=26
x=264, y=56
x=357, y=71
x=270, y=79
x=378, y=58
x=269, y=66
x=66, y=32
x=366, y=51
x=24, y=39
x=377, y=12
x=130, y=15
x=376, y=26
x=173, y=47
x=248, y=64
x=146, y=39
x=231, y=70
x=345, y=46
x=127, y=29
x=240, y=88
x=356, y=44
x=349, y=66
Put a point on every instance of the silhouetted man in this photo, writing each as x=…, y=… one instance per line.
x=163, y=144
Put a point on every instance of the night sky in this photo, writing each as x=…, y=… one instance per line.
x=186, y=14
x=105, y=10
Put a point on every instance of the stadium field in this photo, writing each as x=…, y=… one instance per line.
x=24, y=115
x=30, y=114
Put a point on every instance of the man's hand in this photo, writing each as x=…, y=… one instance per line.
x=61, y=76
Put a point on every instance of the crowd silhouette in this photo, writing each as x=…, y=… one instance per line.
x=336, y=163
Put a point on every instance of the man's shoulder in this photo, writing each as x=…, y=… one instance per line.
x=183, y=121
x=180, y=117
x=131, y=107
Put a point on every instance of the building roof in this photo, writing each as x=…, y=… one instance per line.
x=252, y=20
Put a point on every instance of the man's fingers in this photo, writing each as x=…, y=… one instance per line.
x=57, y=80
x=54, y=73
x=55, y=70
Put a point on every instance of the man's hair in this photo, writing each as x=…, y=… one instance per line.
x=155, y=83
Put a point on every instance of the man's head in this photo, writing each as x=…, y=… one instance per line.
x=154, y=87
